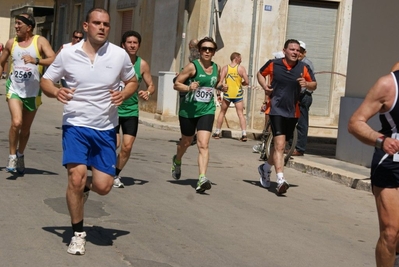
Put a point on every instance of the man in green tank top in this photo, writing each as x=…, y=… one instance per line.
x=129, y=110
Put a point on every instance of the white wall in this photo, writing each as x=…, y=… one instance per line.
x=4, y=30
x=372, y=53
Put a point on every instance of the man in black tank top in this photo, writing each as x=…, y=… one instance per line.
x=383, y=99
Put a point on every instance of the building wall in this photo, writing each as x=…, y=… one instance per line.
x=167, y=26
x=5, y=15
x=372, y=53
x=232, y=31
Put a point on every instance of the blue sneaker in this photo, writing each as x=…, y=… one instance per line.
x=264, y=176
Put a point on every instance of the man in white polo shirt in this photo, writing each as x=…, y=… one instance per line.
x=90, y=113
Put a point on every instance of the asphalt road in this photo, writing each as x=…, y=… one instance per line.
x=156, y=221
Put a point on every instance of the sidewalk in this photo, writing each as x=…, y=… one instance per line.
x=319, y=159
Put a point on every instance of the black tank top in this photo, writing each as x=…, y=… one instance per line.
x=384, y=171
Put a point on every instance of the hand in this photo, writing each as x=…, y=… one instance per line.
x=193, y=86
x=302, y=82
x=268, y=90
x=116, y=97
x=144, y=95
x=390, y=146
x=225, y=87
x=65, y=94
x=28, y=59
x=263, y=108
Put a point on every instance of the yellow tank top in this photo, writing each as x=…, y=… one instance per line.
x=25, y=78
x=233, y=81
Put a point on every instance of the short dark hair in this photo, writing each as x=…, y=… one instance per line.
x=207, y=39
x=77, y=31
x=99, y=9
x=291, y=41
x=27, y=18
x=129, y=34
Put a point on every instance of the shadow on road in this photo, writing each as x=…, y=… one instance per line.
x=97, y=235
x=272, y=188
x=16, y=175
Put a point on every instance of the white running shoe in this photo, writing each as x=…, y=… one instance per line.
x=264, y=176
x=77, y=245
x=203, y=184
x=117, y=182
x=282, y=186
x=12, y=164
x=256, y=148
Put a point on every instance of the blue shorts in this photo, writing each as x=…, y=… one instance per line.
x=82, y=145
x=234, y=100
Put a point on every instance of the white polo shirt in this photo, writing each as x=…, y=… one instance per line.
x=91, y=103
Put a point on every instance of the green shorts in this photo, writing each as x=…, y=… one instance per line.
x=30, y=103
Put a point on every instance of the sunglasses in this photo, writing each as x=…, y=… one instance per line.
x=205, y=49
x=78, y=37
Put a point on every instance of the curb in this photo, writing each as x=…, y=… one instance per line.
x=355, y=183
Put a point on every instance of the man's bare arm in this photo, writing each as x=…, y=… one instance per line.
x=376, y=101
x=243, y=73
x=6, y=53
x=47, y=51
x=146, y=74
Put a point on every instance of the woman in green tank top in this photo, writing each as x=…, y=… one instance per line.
x=197, y=109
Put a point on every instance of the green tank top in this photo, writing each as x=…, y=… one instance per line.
x=130, y=107
x=200, y=102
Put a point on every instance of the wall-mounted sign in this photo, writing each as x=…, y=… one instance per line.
x=124, y=4
x=268, y=8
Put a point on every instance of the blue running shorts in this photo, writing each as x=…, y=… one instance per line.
x=82, y=145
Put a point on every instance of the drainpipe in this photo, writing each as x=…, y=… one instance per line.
x=250, y=66
x=211, y=18
x=184, y=36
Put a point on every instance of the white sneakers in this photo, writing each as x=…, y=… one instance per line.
x=12, y=164
x=282, y=185
x=77, y=245
x=117, y=182
x=264, y=176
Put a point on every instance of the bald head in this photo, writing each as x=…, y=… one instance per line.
x=193, y=43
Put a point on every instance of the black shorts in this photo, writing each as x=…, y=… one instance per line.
x=129, y=125
x=386, y=174
x=283, y=126
x=189, y=125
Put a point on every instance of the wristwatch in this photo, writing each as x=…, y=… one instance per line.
x=37, y=61
x=380, y=142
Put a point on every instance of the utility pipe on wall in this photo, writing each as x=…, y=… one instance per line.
x=250, y=65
